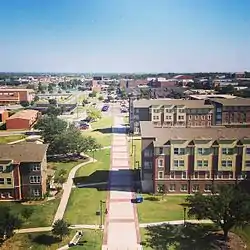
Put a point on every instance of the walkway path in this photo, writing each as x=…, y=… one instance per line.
x=121, y=229
x=67, y=190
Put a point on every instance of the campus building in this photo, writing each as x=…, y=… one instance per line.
x=23, y=171
x=190, y=160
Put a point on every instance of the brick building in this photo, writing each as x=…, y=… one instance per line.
x=22, y=171
x=4, y=114
x=24, y=119
x=190, y=160
x=15, y=96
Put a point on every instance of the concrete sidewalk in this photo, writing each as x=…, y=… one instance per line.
x=121, y=229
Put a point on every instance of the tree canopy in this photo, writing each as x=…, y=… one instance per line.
x=60, y=228
x=94, y=114
x=227, y=209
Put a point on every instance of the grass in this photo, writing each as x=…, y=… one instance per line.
x=67, y=166
x=137, y=148
x=11, y=138
x=154, y=209
x=101, y=130
x=91, y=240
x=43, y=212
x=244, y=233
x=84, y=202
x=126, y=119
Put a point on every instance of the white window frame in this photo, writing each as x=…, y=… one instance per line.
x=228, y=163
x=35, y=167
x=179, y=151
x=172, y=175
x=247, y=163
x=162, y=172
x=196, y=189
x=208, y=190
x=194, y=175
x=161, y=153
x=170, y=189
x=248, y=150
x=35, y=192
x=2, y=183
x=10, y=181
x=230, y=175
x=160, y=165
x=184, y=175
x=199, y=165
x=207, y=175
x=35, y=179
x=219, y=176
x=184, y=190
x=226, y=151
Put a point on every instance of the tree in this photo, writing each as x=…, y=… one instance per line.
x=94, y=114
x=51, y=127
x=92, y=94
x=100, y=98
x=24, y=103
x=27, y=212
x=36, y=98
x=227, y=209
x=53, y=111
x=8, y=222
x=60, y=228
x=50, y=88
x=53, y=101
x=40, y=88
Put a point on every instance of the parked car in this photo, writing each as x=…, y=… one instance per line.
x=105, y=108
x=84, y=126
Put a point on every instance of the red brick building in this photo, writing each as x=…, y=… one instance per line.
x=3, y=115
x=24, y=119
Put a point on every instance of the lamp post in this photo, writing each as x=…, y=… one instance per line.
x=101, y=213
x=184, y=216
x=134, y=151
x=132, y=144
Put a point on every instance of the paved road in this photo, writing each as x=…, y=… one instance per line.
x=121, y=225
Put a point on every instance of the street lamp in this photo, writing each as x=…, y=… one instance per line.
x=184, y=216
x=134, y=151
x=132, y=144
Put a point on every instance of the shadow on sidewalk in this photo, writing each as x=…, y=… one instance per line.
x=117, y=180
x=114, y=130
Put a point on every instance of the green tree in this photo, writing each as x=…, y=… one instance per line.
x=100, y=98
x=36, y=98
x=24, y=103
x=94, y=114
x=9, y=221
x=40, y=88
x=227, y=209
x=53, y=111
x=27, y=212
x=60, y=228
x=50, y=88
x=53, y=101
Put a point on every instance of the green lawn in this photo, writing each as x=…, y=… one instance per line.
x=67, y=166
x=84, y=202
x=11, y=138
x=137, y=152
x=244, y=233
x=91, y=240
x=154, y=209
x=126, y=119
x=101, y=130
x=43, y=212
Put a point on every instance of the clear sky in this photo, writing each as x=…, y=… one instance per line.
x=124, y=35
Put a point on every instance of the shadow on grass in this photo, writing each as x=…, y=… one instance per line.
x=152, y=198
x=178, y=237
x=103, y=130
x=66, y=158
x=45, y=239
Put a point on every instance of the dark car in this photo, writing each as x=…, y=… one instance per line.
x=105, y=108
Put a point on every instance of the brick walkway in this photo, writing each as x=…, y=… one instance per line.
x=121, y=231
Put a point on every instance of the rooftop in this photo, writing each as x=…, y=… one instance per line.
x=212, y=96
x=162, y=135
x=23, y=152
x=13, y=89
x=166, y=102
x=24, y=114
x=233, y=102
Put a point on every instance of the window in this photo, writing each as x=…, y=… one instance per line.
x=147, y=165
x=171, y=187
x=195, y=175
x=184, y=175
x=183, y=188
x=35, y=167
x=199, y=163
x=172, y=175
x=247, y=163
x=9, y=181
x=207, y=175
x=196, y=188
x=203, y=151
x=208, y=188
x=155, y=117
x=209, y=124
x=1, y=168
x=205, y=163
x=161, y=151
x=196, y=117
x=179, y=163
x=219, y=176
x=241, y=176
x=35, y=192
x=1, y=180
x=203, y=117
x=227, y=151
x=168, y=110
x=160, y=163
x=168, y=117
x=209, y=117
x=35, y=179
x=156, y=110
x=179, y=151
x=218, y=110
x=148, y=153
x=202, y=163
x=230, y=175
x=190, y=117
x=160, y=188
x=181, y=117
x=247, y=152
x=136, y=111
x=226, y=163
x=160, y=175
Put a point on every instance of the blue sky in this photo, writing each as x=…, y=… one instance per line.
x=124, y=35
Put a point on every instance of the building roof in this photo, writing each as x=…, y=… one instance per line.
x=24, y=114
x=165, y=101
x=233, y=102
x=162, y=135
x=212, y=96
x=23, y=152
x=13, y=89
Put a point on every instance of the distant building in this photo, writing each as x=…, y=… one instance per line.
x=15, y=96
x=23, y=171
x=24, y=119
x=4, y=114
